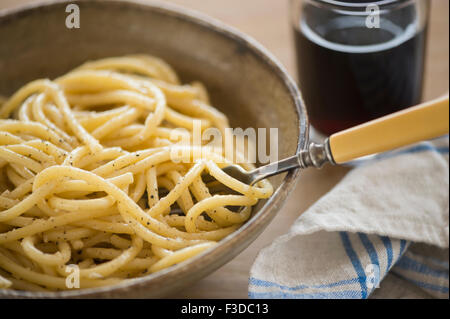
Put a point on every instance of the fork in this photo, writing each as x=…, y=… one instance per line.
x=423, y=122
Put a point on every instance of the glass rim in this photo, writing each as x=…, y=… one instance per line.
x=342, y=4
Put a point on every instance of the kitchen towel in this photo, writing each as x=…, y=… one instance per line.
x=382, y=232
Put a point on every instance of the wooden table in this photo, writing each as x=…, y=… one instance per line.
x=268, y=22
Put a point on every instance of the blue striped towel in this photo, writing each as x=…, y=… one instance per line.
x=382, y=232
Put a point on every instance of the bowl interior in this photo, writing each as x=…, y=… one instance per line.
x=244, y=83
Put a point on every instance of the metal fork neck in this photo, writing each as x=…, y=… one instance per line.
x=316, y=155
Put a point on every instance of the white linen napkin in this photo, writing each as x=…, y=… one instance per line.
x=386, y=225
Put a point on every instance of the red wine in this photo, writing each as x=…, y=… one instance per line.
x=350, y=74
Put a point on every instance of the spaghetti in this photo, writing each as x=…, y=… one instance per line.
x=88, y=176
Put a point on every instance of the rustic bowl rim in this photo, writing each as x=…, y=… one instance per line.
x=263, y=217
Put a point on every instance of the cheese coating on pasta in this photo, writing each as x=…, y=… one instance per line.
x=88, y=176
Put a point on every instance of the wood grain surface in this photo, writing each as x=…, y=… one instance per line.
x=268, y=22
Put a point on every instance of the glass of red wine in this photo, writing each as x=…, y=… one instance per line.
x=359, y=60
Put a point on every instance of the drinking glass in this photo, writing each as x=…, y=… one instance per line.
x=359, y=60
